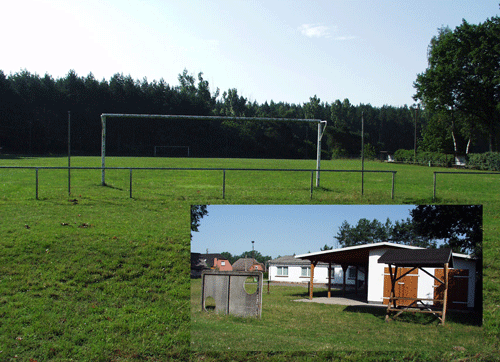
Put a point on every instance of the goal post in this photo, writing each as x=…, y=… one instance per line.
x=104, y=116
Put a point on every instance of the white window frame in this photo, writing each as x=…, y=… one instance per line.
x=282, y=271
x=305, y=272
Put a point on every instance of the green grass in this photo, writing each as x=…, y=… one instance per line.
x=106, y=277
x=287, y=325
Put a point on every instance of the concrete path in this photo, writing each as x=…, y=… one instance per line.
x=340, y=301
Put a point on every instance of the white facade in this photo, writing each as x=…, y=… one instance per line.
x=300, y=273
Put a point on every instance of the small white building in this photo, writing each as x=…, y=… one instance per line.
x=419, y=285
x=289, y=269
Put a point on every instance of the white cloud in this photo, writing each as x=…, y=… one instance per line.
x=315, y=30
x=321, y=31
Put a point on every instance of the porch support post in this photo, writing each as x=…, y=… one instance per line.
x=313, y=264
x=445, y=301
x=329, y=279
x=344, y=271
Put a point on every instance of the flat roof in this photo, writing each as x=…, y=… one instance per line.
x=418, y=258
x=358, y=254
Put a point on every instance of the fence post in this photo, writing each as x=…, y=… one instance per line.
x=223, y=184
x=130, y=183
x=393, y=177
x=312, y=178
x=36, y=173
x=434, y=195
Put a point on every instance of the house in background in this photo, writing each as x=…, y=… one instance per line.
x=248, y=264
x=288, y=269
x=198, y=265
x=201, y=262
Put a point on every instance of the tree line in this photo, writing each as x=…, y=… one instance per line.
x=34, y=119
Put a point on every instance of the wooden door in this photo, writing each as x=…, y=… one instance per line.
x=458, y=288
x=406, y=287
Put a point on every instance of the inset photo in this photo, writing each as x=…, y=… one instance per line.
x=327, y=277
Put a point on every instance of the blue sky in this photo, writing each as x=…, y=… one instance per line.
x=282, y=229
x=366, y=51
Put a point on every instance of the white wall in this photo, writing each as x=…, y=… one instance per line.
x=376, y=276
x=320, y=275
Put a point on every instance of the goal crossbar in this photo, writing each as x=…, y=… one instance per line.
x=321, y=131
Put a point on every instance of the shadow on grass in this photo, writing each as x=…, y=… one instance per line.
x=471, y=318
x=458, y=317
x=111, y=187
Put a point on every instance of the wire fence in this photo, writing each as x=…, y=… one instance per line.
x=456, y=173
x=224, y=170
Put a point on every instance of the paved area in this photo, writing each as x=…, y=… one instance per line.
x=340, y=301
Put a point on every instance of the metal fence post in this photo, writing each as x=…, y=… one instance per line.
x=223, y=184
x=312, y=178
x=434, y=194
x=130, y=183
x=36, y=173
x=393, y=177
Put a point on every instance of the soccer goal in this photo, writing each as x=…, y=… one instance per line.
x=105, y=116
x=171, y=151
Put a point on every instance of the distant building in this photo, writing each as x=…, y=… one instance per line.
x=248, y=264
x=200, y=262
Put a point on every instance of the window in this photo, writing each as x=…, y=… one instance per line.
x=282, y=271
x=222, y=263
x=305, y=271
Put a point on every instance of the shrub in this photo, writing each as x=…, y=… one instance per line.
x=424, y=158
x=485, y=161
x=403, y=155
x=338, y=153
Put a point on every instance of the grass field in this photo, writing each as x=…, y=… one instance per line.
x=99, y=276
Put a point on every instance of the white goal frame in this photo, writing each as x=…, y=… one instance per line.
x=321, y=131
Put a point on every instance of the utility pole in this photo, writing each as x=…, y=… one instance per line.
x=415, y=133
x=362, y=153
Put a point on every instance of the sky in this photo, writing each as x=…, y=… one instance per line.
x=279, y=230
x=282, y=50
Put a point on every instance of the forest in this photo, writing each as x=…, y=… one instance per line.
x=458, y=112
x=34, y=120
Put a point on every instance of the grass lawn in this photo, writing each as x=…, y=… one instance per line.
x=100, y=276
x=288, y=325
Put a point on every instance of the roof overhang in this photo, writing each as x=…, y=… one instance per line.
x=359, y=254
x=420, y=258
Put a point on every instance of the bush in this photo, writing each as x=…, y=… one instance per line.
x=369, y=152
x=338, y=153
x=424, y=158
x=484, y=161
x=403, y=155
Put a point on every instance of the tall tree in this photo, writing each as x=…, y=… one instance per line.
x=197, y=213
x=460, y=226
x=461, y=81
